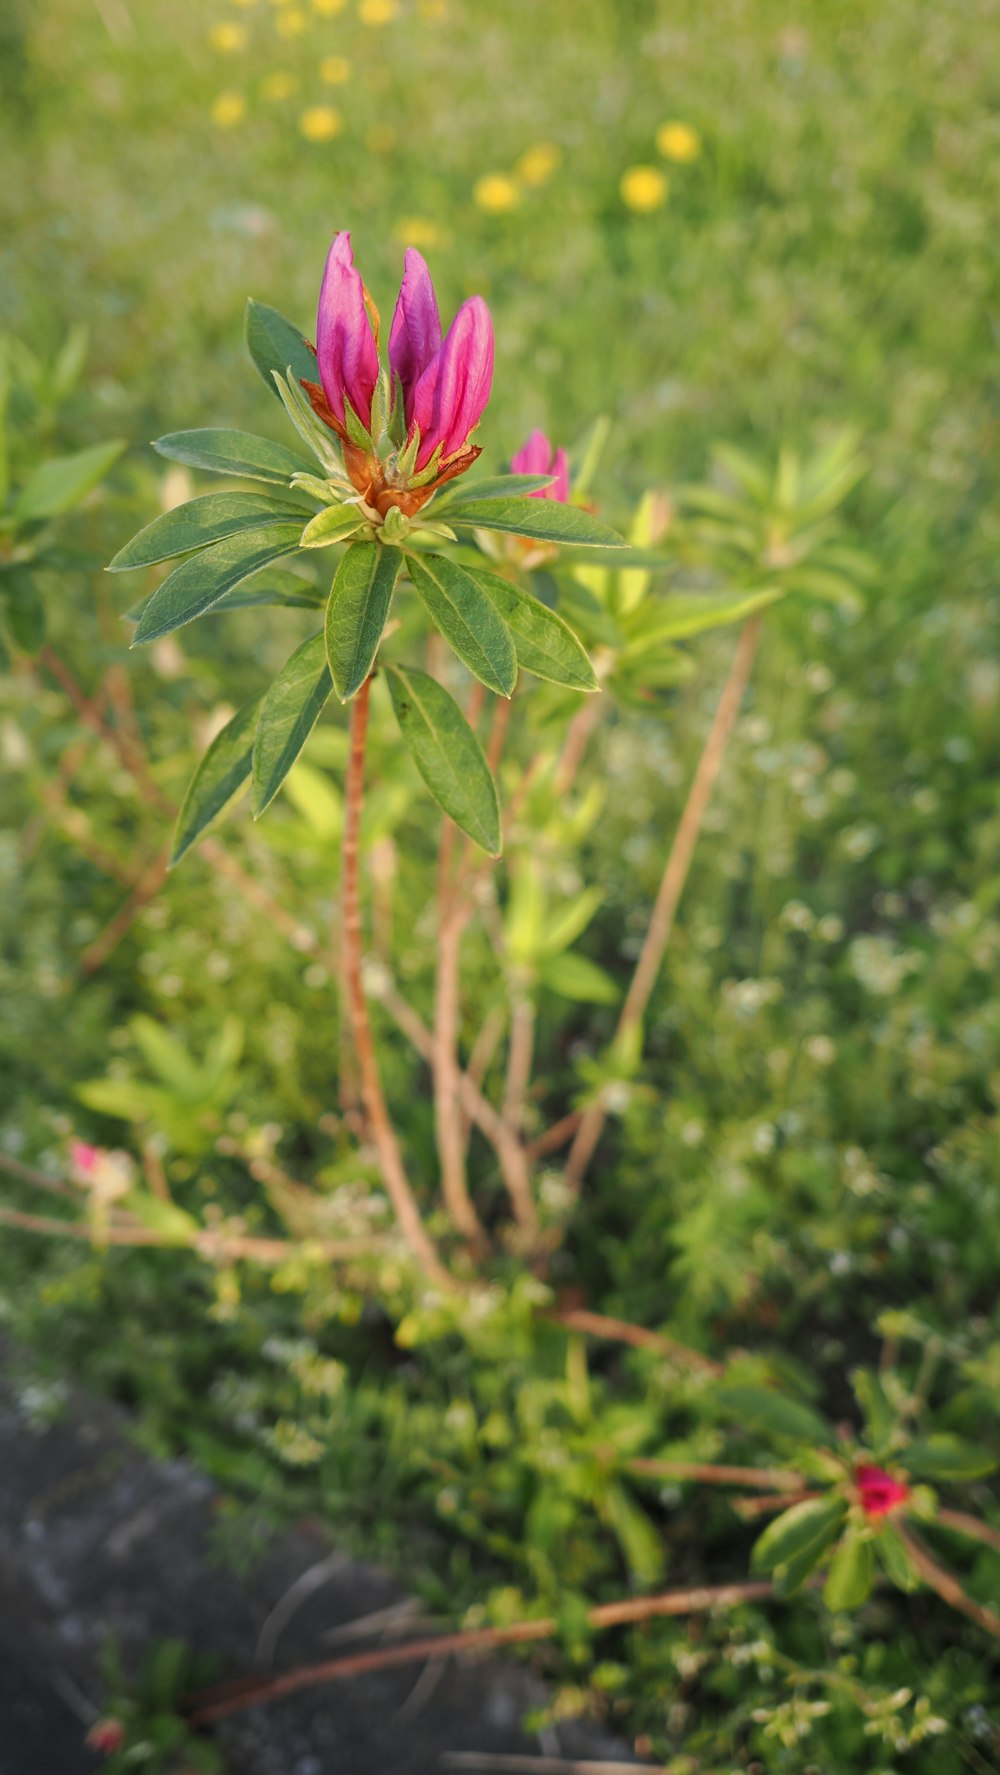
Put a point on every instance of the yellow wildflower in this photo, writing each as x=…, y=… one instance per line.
x=537, y=164
x=496, y=194
x=417, y=231
x=290, y=24
x=279, y=85
x=227, y=38
x=644, y=188
x=678, y=141
x=335, y=69
x=321, y=123
x=328, y=7
x=229, y=109
x=377, y=12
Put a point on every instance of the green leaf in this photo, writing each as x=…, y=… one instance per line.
x=575, y=977
x=467, y=619
x=62, y=482
x=946, y=1457
x=852, y=1571
x=24, y=608
x=491, y=487
x=545, y=645
x=233, y=453
x=275, y=344
x=891, y=1551
x=759, y=1408
x=332, y=524
x=879, y=1416
x=200, y=522
x=806, y=1530
x=640, y=1542
x=447, y=754
x=222, y=772
x=544, y=520
x=278, y=587
x=356, y=612
x=563, y=927
x=196, y=585
x=690, y=613
x=288, y=715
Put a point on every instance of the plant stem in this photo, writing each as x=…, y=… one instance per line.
x=444, y=1054
x=216, y=1703
x=672, y=884
x=938, y=1578
x=621, y=1332
x=390, y=1159
x=519, y=1058
x=776, y=1479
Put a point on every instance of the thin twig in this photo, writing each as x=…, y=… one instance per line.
x=554, y=1137
x=621, y=1332
x=708, y=1473
x=487, y=1041
x=390, y=1158
x=972, y=1526
x=946, y=1585
x=519, y=1058
x=146, y=888
x=672, y=884
x=510, y=1153
x=575, y=744
x=224, y=1699
x=502, y=1764
x=444, y=1053
x=54, y=1186
x=208, y=1244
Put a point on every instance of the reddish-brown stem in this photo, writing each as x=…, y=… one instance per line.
x=206, y=1243
x=938, y=1578
x=554, y=1137
x=767, y=1505
x=216, y=1703
x=509, y=1151
x=390, y=1158
x=146, y=888
x=444, y=1055
x=621, y=1332
x=487, y=1041
x=575, y=744
x=963, y=1524
x=519, y=1058
x=672, y=884
x=708, y=1473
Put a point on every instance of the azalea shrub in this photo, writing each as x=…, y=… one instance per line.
x=525, y=907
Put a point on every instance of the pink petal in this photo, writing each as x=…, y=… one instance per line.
x=451, y=395
x=415, y=334
x=345, y=348
x=560, y=486
x=534, y=456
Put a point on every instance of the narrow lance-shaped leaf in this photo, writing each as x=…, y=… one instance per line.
x=274, y=343
x=203, y=581
x=805, y=1528
x=238, y=453
x=468, y=620
x=852, y=1571
x=544, y=520
x=943, y=1456
x=288, y=715
x=200, y=522
x=57, y=485
x=492, y=487
x=220, y=775
x=333, y=524
x=691, y=613
x=357, y=611
x=447, y=754
x=544, y=643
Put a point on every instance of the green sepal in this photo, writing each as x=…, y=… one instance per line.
x=447, y=754
x=311, y=430
x=333, y=524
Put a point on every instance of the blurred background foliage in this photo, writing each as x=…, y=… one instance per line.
x=739, y=224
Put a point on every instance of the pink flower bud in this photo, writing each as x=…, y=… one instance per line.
x=84, y=1158
x=879, y=1493
x=345, y=347
x=537, y=457
x=107, y=1736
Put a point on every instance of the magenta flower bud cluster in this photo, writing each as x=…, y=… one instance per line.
x=444, y=383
